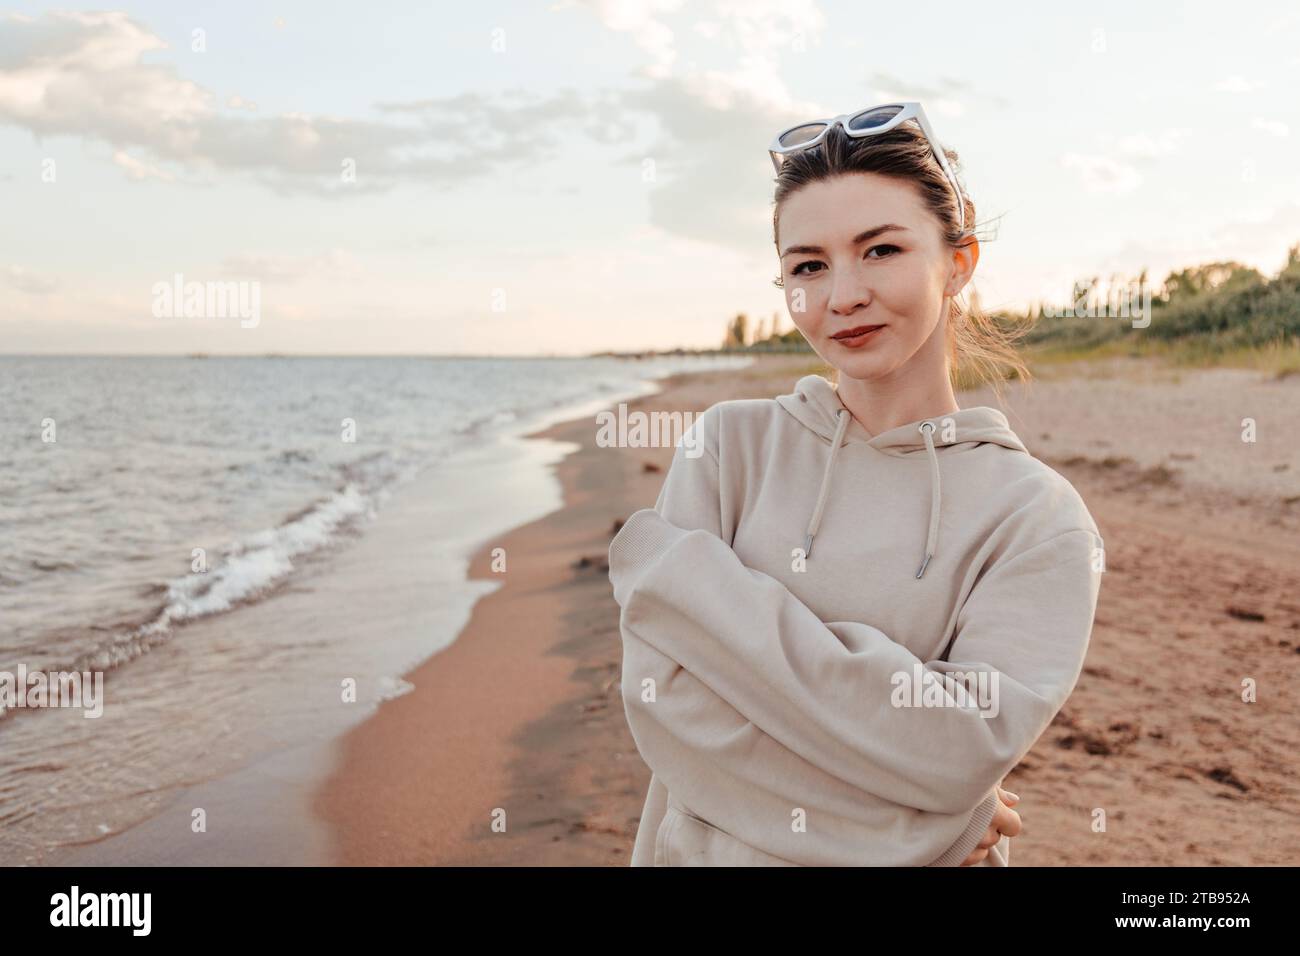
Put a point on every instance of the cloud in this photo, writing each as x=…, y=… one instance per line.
x=86, y=75
x=762, y=33
x=82, y=74
x=713, y=178
x=757, y=32
x=138, y=170
x=712, y=173
x=640, y=19
x=517, y=126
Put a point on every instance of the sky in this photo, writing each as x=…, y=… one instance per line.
x=587, y=175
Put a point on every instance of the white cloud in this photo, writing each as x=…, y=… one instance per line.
x=758, y=31
x=714, y=177
x=714, y=180
x=83, y=74
x=640, y=19
x=762, y=32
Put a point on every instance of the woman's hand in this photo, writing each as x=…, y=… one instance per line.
x=1005, y=822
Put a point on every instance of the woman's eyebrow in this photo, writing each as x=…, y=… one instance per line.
x=859, y=238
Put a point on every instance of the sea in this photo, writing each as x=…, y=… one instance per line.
x=224, y=541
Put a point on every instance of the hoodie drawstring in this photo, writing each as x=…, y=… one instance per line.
x=936, y=500
x=815, y=522
x=932, y=536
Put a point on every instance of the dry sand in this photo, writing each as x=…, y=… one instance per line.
x=522, y=714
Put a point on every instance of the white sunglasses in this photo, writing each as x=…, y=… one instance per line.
x=867, y=122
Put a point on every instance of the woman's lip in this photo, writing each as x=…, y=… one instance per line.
x=856, y=332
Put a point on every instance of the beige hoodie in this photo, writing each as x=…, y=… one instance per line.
x=836, y=645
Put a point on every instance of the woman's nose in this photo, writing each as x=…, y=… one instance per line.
x=848, y=295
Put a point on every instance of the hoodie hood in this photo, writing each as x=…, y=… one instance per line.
x=815, y=403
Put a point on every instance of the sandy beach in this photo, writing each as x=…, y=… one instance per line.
x=520, y=719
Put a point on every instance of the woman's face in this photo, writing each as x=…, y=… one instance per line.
x=861, y=250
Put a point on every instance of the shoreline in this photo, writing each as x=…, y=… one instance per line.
x=395, y=595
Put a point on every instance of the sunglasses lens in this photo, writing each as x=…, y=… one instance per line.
x=873, y=118
x=801, y=134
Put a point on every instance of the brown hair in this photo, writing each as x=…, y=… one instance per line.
x=980, y=348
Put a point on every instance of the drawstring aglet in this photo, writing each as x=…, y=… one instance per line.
x=807, y=545
x=923, y=564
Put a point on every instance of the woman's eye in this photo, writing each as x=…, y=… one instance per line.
x=804, y=268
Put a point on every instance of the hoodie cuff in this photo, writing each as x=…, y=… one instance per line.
x=974, y=832
x=644, y=537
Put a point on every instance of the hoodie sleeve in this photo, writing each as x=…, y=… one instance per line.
x=693, y=735
x=831, y=692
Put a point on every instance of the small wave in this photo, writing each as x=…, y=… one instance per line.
x=248, y=570
x=252, y=566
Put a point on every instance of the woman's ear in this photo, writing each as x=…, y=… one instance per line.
x=964, y=259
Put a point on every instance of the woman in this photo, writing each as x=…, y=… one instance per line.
x=850, y=616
